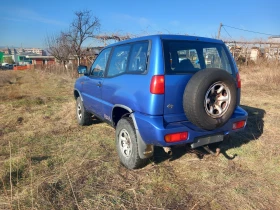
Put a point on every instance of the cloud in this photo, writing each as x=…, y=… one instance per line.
x=174, y=23
x=142, y=21
x=147, y=26
x=24, y=15
x=13, y=19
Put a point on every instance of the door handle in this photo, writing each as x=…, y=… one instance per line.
x=99, y=84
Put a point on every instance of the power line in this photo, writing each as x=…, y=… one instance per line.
x=227, y=32
x=249, y=30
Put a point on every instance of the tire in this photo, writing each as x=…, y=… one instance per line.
x=83, y=117
x=210, y=98
x=127, y=146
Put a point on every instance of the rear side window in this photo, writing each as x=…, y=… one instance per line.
x=119, y=60
x=138, y=58
x=190, y=57
x=98, y=67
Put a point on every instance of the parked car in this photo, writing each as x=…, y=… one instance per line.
x=158, y=91
x=10, y=66
x=5, y=64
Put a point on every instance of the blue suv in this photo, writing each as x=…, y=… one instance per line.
x=162, y=90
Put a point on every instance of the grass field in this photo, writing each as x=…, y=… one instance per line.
x=47, y=161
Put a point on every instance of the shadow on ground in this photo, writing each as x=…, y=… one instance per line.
x=94, y=120
x=253, y=131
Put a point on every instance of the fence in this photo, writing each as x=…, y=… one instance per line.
x=245, y=51
x=22, y=67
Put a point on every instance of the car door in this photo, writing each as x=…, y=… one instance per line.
x=92, y=87
x=115, y=81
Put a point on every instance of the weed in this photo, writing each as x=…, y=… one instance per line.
x=55, y=164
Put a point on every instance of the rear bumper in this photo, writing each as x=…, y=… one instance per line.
x=153, y=129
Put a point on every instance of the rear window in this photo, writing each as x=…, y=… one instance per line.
x=190, y=57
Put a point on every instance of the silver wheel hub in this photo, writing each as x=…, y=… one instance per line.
x=79, y=111
x=125, y=143
x=217, y=100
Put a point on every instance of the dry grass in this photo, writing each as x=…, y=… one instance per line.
x=56, y=164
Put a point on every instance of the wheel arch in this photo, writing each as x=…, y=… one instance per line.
x=77, y=94
x=119, y=111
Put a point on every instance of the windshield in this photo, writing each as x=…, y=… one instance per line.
x=192, y=56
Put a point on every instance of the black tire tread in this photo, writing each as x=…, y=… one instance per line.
x=86, y=116
x=137, y=162
x=194, y=98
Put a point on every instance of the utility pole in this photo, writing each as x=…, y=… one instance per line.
x=219, y=31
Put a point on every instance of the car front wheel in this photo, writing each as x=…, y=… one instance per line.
x=83, y=117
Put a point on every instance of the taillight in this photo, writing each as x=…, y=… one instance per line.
x=238, y=80
x=157, y=84
x=238, y=125
x=175, y=137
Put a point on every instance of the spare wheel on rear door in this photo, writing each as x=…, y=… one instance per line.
x=210, y=98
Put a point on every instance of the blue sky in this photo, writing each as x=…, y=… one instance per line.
x=27, y=22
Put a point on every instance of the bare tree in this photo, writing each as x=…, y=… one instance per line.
x=83, y=27
x=113, y=36
x=59, y=47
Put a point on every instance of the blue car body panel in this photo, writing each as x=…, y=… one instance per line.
x=153, y=129
x=153, y=117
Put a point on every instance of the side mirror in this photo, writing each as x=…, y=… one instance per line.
x=82, y=69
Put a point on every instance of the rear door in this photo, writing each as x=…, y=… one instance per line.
x=182, y=60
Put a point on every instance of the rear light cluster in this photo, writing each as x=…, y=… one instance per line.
x=238, y=125
x=175, y=137
x=238, y=80
x=157, y=84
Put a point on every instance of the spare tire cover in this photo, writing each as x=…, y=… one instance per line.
x=210, y=98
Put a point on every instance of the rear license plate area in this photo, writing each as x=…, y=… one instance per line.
x=204, y=140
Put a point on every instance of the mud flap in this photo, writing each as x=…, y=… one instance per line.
x=145, y=150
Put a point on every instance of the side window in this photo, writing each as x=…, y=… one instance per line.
x=138, y=59
x=98, y=67
x=118, y=61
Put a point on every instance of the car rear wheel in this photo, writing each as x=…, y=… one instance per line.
x=127, y=146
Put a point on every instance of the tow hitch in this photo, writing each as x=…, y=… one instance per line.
x=218, y=150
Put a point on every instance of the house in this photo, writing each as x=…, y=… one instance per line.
x=1, y=57
x=274, y=48
x=274, y=39
x=22, y=58
x=41, y=59
x=256, y=53
x=35, y=50
x=6, y=51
